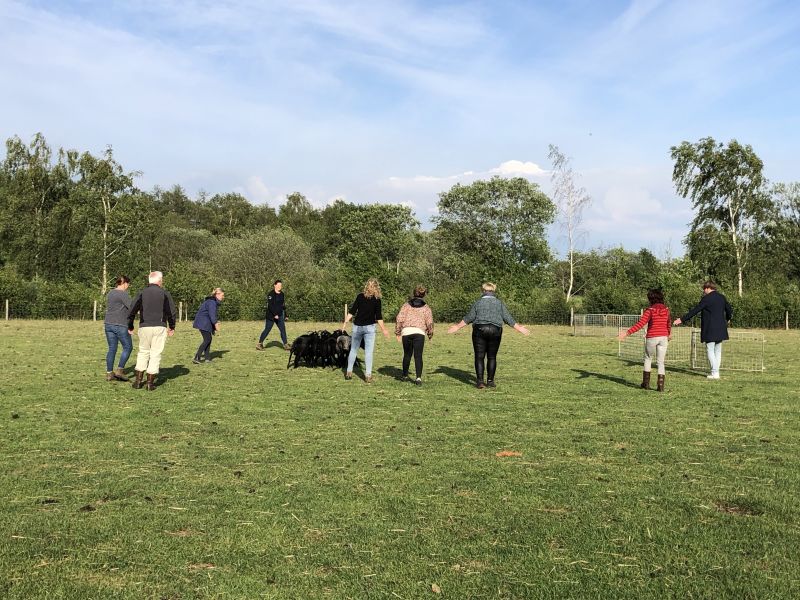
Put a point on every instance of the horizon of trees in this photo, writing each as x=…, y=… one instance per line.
x=71, y=221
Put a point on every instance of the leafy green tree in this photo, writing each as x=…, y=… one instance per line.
x=499, y=223
x=375, y=238
x=786, y=228
x=32, y=186
x=259, y=257
x=110, y=208
x=726, y=186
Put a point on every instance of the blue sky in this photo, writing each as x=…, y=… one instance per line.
x=397, y=101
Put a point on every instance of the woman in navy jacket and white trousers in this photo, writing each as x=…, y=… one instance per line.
x=207, y=322
x=715, y=312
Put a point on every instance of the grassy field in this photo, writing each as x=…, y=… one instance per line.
x=242, y=479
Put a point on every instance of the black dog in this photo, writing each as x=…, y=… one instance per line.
x=300, y=349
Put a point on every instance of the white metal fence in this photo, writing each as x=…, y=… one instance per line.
x=601, y=325
x=744, y=351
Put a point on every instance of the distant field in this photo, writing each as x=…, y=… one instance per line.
x=242, y=479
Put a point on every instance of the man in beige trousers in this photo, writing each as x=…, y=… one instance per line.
x=157, y=321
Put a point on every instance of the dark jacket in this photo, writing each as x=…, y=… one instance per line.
x=715, y=314
x=156, y=307
x=366, y=311
x=207, y=315
x=276, y=304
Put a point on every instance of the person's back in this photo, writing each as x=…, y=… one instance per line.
x=118, y=303
x=155, y=306
x=157, y=312
x=489, y=310
x=715, y=316
x=657, y=319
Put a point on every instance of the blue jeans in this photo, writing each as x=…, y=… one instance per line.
x=114, y=334
x=714, y=351
x=270, y=321
x=367, y=333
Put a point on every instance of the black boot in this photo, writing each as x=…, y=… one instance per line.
x=137, y=380
x=645, y=380
x=660, y=383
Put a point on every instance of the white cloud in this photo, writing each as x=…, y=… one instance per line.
x=255, y=190
x=517, y=167
x=509, y=168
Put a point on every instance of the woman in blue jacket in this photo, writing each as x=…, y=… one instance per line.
x=207, y=322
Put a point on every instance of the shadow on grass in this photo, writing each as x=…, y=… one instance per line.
x=215, y=354
x=273, y=344
x=173, y=372
x=671, y=369
x=618, y=380
x=457, y=374
x=392, y=372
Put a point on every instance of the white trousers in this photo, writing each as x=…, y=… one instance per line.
x=151, y=345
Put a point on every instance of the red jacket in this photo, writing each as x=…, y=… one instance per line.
x=658, y=322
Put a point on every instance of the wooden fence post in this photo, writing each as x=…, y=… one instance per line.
x=572, y=316
x=94, y=311
x=6, y=309
x=180, y=311
x=786, y=317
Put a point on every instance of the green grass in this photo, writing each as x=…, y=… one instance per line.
x=241, y=479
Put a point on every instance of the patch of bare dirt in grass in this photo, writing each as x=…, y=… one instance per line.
x=183, y=533
x=742, y=509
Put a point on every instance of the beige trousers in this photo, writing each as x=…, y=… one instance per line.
x=655, y=346
x=151, y=345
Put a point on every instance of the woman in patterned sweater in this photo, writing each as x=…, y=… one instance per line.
x=413, y=323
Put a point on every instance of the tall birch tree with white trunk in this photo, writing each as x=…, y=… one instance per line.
x=570, y=200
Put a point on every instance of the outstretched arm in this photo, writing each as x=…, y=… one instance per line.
x=457, y=326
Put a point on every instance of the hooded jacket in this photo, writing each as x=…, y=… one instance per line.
x=415, y=313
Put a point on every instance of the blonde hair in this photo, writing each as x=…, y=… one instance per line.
x=489, y=287
x=217, y=290
x=372, y=289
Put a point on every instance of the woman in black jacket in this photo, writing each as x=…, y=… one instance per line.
x=276, y=315
x=715, y=312
x=365, y=311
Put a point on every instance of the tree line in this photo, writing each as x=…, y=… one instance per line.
x=71, y=221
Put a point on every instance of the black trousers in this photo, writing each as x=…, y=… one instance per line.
x=205, y=345
x=413, y=343
x=486, y=343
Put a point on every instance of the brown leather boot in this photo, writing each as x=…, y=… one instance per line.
x=660, y=383
x=151, y=382
x=137, y=380
x=119, y=374
x=110, y=376
x=645, y=380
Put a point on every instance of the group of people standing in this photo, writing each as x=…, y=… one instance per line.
x=715, y=313
x=414, y=323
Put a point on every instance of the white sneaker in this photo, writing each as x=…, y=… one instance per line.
x=713, y=376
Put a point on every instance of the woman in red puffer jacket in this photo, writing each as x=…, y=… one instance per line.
x=659, y=329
